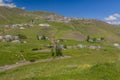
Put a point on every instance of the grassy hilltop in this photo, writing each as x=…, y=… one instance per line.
x=84, y=64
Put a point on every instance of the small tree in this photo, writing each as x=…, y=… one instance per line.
x=88, y=38
x=56, y=49
x=94, y=39
x=102, y=38
x=52, y=51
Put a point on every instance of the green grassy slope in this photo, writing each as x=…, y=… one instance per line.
x=95, y=66
x=96, y=28
x=85, y=64
x=74, y=32
x=12, y=15
x=16, y=15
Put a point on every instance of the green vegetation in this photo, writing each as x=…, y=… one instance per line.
x=89, y=43
x=85, y=66
x=22, y=36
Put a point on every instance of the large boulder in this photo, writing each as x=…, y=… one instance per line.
x=8, y=38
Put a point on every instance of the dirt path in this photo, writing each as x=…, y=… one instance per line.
x=7, y=67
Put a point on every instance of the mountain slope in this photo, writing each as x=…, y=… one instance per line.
x=96, y=60
x=72, y=31
x=96, y=28
x=11, y=15
x=16, y=15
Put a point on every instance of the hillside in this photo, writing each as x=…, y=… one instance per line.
x=16, y=15
x=9, y=15
x=26, y=38
x=72, y=30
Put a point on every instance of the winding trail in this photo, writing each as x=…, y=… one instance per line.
x=7, y=67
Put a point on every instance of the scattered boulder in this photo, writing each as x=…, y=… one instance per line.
x=81, y=46
x=92, y=47
x=22, y=28
x=14, y=26
x=16, y=41
x=1, y=38
x=95, y=47
x=24, y=41
x=84, y=46
x=8, y=38
x=116, y=44
x=46, y=25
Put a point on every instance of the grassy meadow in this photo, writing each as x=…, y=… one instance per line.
x=81, y=66
x=84, y=64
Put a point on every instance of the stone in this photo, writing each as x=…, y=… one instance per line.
x=116, y=44
x=1, y=38
x=42, y=25
x=8, y=38
x=16, y=41
x=22, y=28
x=80, y=46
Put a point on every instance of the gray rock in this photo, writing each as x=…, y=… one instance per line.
x=8, y=38
x=92, y=47
x=16, y=41
x=81, y=46
x=1, y=38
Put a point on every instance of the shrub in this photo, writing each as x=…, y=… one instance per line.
x=35, y=49
x=32, y=60
x=102, y=38
x=21, y=36
x=65, y=46
x=94, y=39
x=88, y=38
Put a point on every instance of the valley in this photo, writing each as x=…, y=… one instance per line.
x=90, y=48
